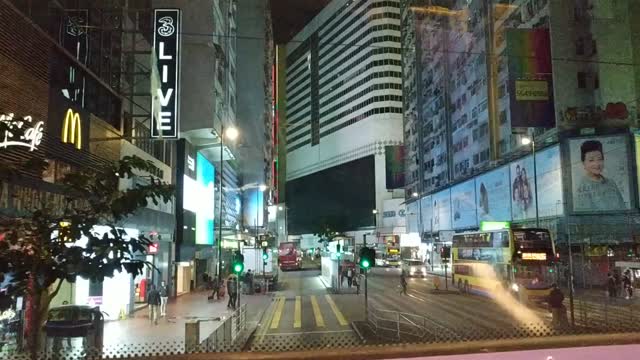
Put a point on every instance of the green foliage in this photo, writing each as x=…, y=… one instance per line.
x=327, y=227
x=41, y=246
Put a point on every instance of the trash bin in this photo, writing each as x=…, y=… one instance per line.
x=66, y=323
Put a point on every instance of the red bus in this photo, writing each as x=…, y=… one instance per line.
x=289, y=256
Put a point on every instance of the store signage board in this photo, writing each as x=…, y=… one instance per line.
x=22, y=131
x=165, y=94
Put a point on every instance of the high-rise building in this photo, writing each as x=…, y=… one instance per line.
x=503, y=100
x=208, y=41
x=344, y=113
x=256, y=109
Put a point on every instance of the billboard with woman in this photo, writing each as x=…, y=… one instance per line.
x=493, y=195
x=600, y=173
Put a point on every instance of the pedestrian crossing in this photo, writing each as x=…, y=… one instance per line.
x=305, y=313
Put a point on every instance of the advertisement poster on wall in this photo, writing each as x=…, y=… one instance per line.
x=441, y=205
x=413, y=217
x=463, y=199
x=600, y=173
x=493, y=196
x=523, y=199
x=549, y=179
x=427, y=214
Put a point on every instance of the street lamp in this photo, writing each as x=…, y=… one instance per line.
x=231, y=133
x=415, y=194
x=532, y=141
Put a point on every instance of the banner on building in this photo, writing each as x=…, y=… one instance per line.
x=549, y=179
x=494, y=195
x=600, y=173
x=530, y=79
x=394, y=166
x=523, y=200
x=463, y=199
x=165, y=82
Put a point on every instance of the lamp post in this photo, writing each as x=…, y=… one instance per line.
x=415, y=195
x=532, y=141
x=232, y=134
x=375, y=223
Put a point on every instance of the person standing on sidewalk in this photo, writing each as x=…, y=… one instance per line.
x=611, y=286
x=556, y=305
x=232, y=289
x=626, y=284
x=153, y=300
x=350, y=277
x=164, y=298
x=215, y=293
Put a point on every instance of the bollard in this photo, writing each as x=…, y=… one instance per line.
x=191, y=336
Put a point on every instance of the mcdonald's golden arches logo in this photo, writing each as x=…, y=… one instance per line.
x=72, y=129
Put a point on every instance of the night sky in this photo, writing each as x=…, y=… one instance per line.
x=290, y=16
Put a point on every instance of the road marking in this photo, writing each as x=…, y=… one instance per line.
x=275, y=322
x=316, y=311
x=311, y=332
x=336, y=311
x=297, y=316
x=266, y=321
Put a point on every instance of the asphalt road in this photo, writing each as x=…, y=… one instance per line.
x=303, y=315
x=445, y=311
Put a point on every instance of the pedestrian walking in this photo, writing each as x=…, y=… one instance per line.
x=403, y=283
x=626, y=284
x=350, y=277
x=618, y=281
x=232, y=289
x=557, y=308
x=249, y=281
x=611, y=286
x=356, y=283
x=153, y=300
x=164, y=298
x=215, y=292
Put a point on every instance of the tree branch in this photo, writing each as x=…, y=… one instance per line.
x=55, y=292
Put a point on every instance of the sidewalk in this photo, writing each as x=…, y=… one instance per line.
x=193, y=306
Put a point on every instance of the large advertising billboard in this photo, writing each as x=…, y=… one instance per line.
x=600, y=173
x=205, y=174
x=530, y=80
x=394, y=166
x=427, y=214
x=523, y=201
x=493, y=195
x=195, y=196
x=549, y=179
x=463, y=202
x=441, y=205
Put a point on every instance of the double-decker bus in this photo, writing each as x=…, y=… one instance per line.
x=289, y=256
x=518, y=260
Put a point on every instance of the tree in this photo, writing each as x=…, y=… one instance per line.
x=39, y=251
x=328, y=227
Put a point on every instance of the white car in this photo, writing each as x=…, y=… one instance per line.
x=414, y=268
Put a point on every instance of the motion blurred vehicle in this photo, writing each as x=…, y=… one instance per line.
x=289, y=256
x=414, y=268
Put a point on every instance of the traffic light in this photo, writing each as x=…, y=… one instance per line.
x=367, y=257
x=265, y=255
x=238, y=262
x=445, y=252
x=338, y=250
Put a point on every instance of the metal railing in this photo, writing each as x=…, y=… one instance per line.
x=399, y=324
x=224, y=337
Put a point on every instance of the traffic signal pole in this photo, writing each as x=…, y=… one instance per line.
x=366, y=277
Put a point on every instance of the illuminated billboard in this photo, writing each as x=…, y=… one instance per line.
x=196, y=197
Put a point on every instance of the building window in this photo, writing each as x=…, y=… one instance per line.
x=582, y=80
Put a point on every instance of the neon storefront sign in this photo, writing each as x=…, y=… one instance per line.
x=24, y=132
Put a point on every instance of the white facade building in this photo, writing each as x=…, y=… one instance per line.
x=343, y=88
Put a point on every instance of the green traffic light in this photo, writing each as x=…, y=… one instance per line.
x=237, y=268
x=365, y=263
x=265, y=256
